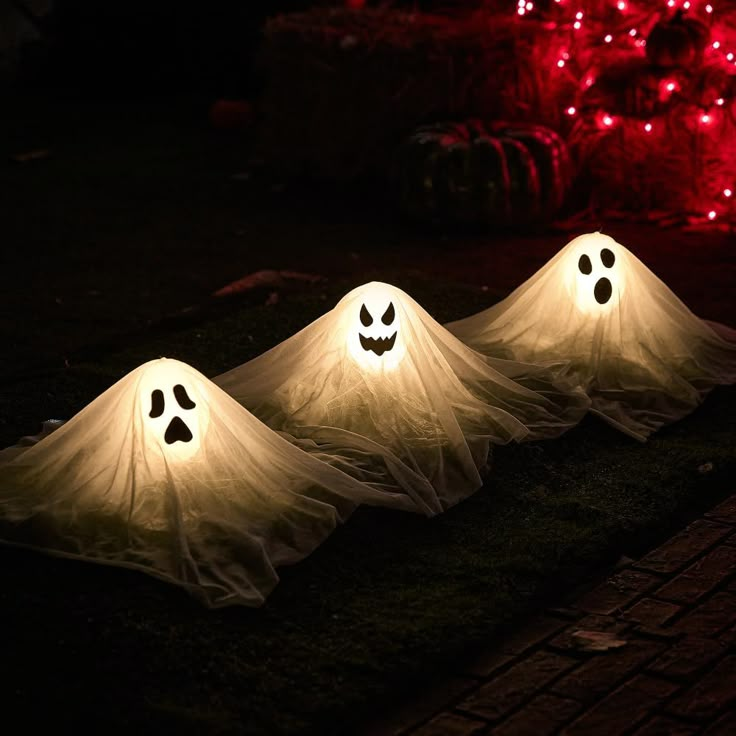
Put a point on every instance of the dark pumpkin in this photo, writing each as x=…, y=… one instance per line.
x=679, y=41
x=479, y=173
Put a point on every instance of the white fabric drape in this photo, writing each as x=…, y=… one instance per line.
x=167, y=474
x=643, y=357
x=378, y=382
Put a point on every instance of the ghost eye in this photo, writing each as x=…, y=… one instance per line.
x=607, y=257
x=389, y=315
x=585, y=265
x=365, y=317
x=157, y=404
x=183, y=397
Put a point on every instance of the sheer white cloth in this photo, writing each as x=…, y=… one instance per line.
x=167, y=474
x=378, y=382
x=643, y=357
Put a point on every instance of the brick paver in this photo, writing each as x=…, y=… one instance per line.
x=688, y=658
x=619, y=591
x=510, y=689
x=711, y=618
x=451, y=724
x=713, y=693
x=624, y=708
x=653, y=612
x=601, y=674
x=684, y=547
x=675, y=609
x=725, y=512
x=666, y=726
x=701, y=577
x=541, y=716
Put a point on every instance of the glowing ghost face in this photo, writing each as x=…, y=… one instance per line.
x=174, y=412
x=374, y=333
x=595, y=273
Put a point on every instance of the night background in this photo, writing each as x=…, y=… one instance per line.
x=201, y=181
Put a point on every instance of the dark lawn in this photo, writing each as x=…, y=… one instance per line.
x=135, y=218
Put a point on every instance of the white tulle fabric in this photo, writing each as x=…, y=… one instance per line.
x=401, y=399
x=643, y=357
x=214, y=514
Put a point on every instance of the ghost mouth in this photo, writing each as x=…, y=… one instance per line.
x=379, y=345
x=177, y=431
x=603, y=290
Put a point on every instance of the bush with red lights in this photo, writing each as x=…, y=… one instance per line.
x=653, y=126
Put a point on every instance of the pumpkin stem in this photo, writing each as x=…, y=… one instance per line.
x=677, y=16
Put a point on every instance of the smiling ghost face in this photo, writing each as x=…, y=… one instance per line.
x=374, y=337
x=378, y=344
x=595, y=271
x=175, y=414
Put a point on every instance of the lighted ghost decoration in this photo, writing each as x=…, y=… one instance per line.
x=643, y=357
x=378, y=382
x=166, y=473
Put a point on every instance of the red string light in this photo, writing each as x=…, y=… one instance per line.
x=632, y=35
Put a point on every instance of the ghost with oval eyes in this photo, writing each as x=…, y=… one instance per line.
x=380, y=383
x=166, y=473
x=643, y=357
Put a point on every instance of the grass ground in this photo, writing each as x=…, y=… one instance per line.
x=134, y=218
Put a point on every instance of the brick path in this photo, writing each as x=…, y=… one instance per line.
x=673, y=672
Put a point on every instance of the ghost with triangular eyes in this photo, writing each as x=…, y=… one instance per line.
x=373, y=339
x=379, y=344
x=380, y=383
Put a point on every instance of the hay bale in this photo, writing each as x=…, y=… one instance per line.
x=344, y=87
x=679, y=167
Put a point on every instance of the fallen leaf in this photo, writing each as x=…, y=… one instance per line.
x=597, y=641
x=27, y=156
x=267, y=277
